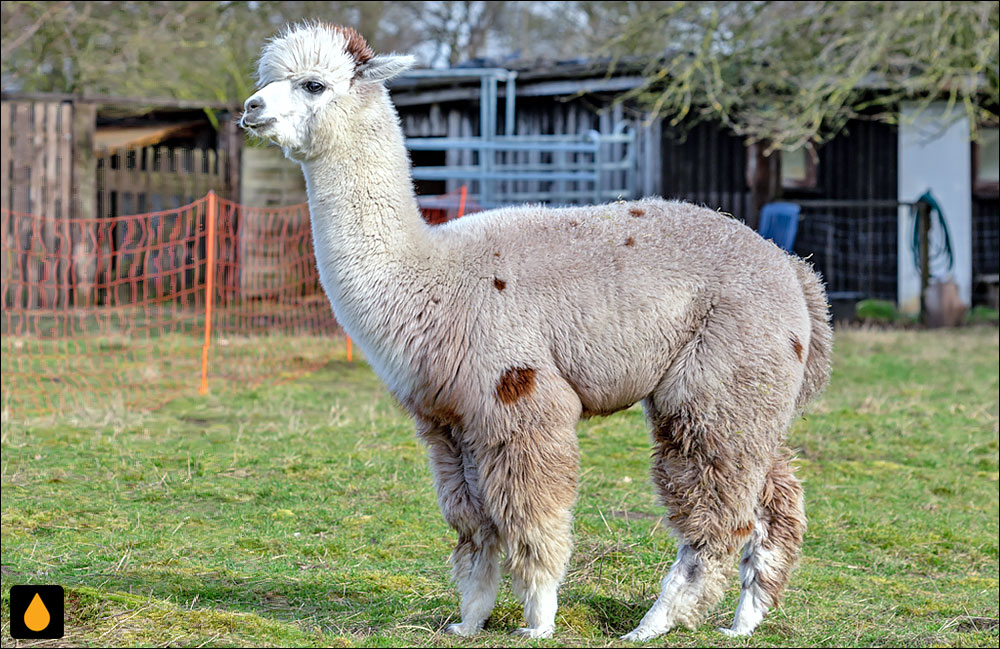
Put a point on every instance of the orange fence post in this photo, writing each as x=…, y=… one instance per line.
x=461, y=201
x=348, y=349
x=209, y=287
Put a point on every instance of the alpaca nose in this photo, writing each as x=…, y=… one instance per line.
x=252, y=110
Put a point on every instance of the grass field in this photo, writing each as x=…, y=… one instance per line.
x=303, y=514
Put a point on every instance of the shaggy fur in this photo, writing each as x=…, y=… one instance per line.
x=500, y=330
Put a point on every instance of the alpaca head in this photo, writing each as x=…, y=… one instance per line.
x=314, y=81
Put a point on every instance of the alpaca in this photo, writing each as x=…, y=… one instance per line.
x=499, y=331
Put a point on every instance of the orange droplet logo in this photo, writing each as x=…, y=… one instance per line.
x=36, y=617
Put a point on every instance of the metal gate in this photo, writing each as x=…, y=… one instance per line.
x=593, y=167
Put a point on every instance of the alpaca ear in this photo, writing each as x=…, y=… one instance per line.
x=384, y=67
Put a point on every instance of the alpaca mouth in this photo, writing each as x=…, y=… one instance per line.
x=256, y=126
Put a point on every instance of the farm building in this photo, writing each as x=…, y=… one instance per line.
x=95, y=157
x=551, y=133
x=849, y=190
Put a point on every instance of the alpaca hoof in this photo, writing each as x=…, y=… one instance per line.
x=733, y=633
x=641, y=634
x=464, y=630
x=535, y=632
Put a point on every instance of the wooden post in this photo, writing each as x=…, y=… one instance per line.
x=232, y=141
x=924, y=225
x=763, y=178
x=84, y=202
x=66, y=200
x=209, y=286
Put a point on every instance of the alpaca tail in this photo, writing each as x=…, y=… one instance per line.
x=819, y=355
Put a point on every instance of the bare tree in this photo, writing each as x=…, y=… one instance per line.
x=787, y=73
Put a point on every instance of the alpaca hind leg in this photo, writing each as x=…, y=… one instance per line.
x=772, y=550
x=475, y=561
x=709, y=489
x=691, y=577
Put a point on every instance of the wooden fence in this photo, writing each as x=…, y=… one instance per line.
x=153, y=178
x=36, y=148
x=50, y=168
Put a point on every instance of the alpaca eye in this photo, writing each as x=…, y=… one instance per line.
x=314, y=87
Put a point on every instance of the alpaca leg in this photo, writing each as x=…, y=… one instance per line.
x=529, y=488
x=475, y=569
x=537, y=566
x=475, y=565
x=773, y=549
x=709, y=489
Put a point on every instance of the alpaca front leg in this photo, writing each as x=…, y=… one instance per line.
x=536, y=571
x=475, y=569
x=531, y=503
x=475, y=562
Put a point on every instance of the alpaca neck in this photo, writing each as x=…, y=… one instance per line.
x=361, y=199
x=369, y=237
x=360, y=191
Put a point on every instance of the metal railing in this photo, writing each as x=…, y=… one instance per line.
x=605, y=172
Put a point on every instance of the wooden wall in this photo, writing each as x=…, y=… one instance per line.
x=154, y=178
x=36, y=177
x=270, y=179
x=706, y=164
x=36, y=149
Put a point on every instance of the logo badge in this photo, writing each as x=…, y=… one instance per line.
x=36, y=612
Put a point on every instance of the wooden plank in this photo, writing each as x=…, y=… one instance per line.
x=50, y=219
x=7, y=227
x=51, y=156
x=215, y=181
x=21, y=131
x=5, y=155
x=37, y=201
x=84, y=203
x=452, y=157
x=196, y=160
x=65, y=155
x=36, y=205
x=233, y=160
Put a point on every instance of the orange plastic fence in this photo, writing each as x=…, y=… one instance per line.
x=133, y=311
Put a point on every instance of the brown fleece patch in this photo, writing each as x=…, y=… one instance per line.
x=797, y=346
x=630, y=242
x=355, y=43
x=515, y=383
x=743, y=530
x=635, y=211
x=496, y=254
x=574, y=223
x=499, y=283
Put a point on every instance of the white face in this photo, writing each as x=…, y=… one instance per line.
x=310, y=86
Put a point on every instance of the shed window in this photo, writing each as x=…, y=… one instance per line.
x=798, y=168
x=986, y=161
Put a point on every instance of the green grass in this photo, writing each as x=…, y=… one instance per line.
x=302, y=513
